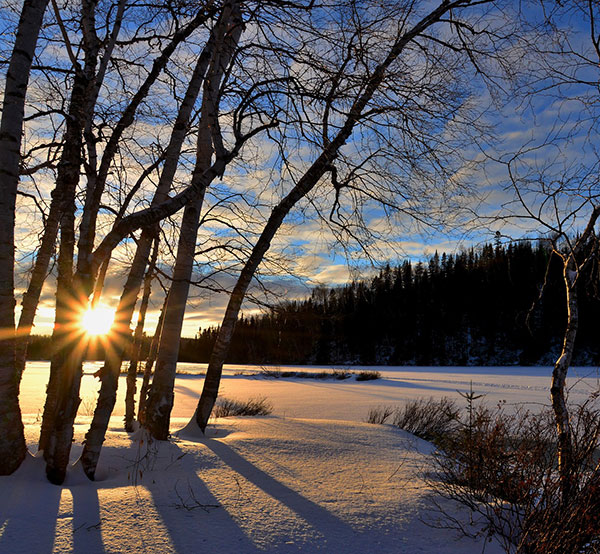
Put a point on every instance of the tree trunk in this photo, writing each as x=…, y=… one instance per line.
x=137, y=342
x=38, y=276
x=226, y=34
x=106, y=400
x=220, y=350
x=225, y=334
x=559, y=377
x=66, y=335
x=63, y=400
x=150, y=363
x=119, y=341
x=42, y=261
x=160, y=396
x=572, y=271
x=12, y=439
x=69, y=342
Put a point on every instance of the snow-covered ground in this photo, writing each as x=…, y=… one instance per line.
x=311, y=477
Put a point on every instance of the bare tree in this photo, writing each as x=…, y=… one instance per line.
x=12, y=440
x=72, y=289
x=149, y=365
x=555, y=207
x=203, y=73
x=209, y=141
x=553, y=179
x=356, y=95
x=59, y=401
x=136, y=345
x=32, y=295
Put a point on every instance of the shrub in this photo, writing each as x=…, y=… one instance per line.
x=339, y=374
x=368, y=375
x=380, y=415
x=430, y=419
x=318, y=375
x=226, y=407
x=87, y=406
x=270, y=373
x=503, y=468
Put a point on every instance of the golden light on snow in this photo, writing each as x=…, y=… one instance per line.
x=98, y=320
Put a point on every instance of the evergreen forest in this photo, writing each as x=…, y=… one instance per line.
x=478, y=307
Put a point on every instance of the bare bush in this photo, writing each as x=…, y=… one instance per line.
x=430, y=419
x=341, y=374
x=503, y=467
x=368, y=375
x=338, y=374
x=86, y=408
x=227, y=407
x=380, y=415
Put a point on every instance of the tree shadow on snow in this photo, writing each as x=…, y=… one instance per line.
x=24, y=500
x=321, y=520
x=87, y=523
x=193, y=517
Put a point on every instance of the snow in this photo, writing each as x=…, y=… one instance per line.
x=332, y=399
x=310, y=478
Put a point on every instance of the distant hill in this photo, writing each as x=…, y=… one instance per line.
x=473, y=308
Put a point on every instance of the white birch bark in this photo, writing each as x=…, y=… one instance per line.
x=120, y=340
x=137, y=342
x=573, y=267
x=559, y=379
x=12, y=440
x=62, y=399
x=120, y=332
x=160, y=397
x=150, y=364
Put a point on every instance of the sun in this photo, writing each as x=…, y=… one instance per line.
x=98, y=320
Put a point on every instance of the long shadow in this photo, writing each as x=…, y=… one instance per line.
x=19, y=506
x=318, y=517
x=179, y=388
x=192, y=514
x=87, y=524
x=186, y=376
x=385, y=383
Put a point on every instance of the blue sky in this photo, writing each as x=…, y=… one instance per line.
x=563, y=116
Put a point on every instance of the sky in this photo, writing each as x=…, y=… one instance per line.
x=554, y=130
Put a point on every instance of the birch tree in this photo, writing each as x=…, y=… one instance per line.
x=136, y=345
x=209, y=141
x=72, y=291
x=203, y=73
x=552, y=180
x=59, y=195
x=385, y=72
x=12, y=441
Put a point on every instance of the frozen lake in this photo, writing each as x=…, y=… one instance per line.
x=332, y=399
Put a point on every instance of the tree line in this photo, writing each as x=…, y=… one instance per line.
x=500, y=304
x=496, y=305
